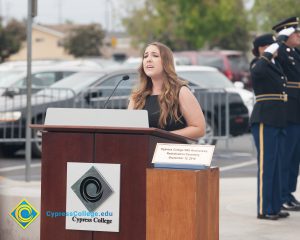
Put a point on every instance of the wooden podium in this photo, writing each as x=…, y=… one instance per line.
x=182, y=204
x=133, y=148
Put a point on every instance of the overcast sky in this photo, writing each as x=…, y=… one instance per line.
x=106, y=12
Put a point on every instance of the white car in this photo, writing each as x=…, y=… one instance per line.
x=209, y=77
x=134, y=62
x=14, y=81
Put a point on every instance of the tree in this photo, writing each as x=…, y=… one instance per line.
x=228, y=25
x=267, y=13
x=84, y=41
x=190, y=25
x=11, y=38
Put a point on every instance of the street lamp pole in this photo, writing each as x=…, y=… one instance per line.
x=32, y=12
x=107, y=17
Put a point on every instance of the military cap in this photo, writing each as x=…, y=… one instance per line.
x=286, y=23
x=262, y=40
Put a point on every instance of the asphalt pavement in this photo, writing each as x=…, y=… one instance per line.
x=237, y=163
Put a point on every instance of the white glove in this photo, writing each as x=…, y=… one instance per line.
x=272, y=48
x=287, y=31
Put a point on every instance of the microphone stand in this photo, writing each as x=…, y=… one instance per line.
x=124, y=78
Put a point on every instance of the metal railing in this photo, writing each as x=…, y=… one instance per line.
x=13, y=110
x=215, y=105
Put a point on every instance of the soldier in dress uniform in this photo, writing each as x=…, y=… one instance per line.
x=268, y=122
x=289, y=59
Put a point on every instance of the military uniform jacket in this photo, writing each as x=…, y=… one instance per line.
x=289, y=59
x=268, y=78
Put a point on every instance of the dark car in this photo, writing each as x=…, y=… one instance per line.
x=92, y=89
x=233, y=64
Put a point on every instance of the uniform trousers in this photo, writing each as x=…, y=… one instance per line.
x=270, y=147
x=291, y=161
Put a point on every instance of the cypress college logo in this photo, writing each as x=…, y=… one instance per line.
x=93, y=196
x=24, y=214
x=92, y=189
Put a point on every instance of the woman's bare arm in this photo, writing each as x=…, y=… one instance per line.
x=192, y=113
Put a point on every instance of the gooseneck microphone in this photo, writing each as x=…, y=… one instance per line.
x=124, y=78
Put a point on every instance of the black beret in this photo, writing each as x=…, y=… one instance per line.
x=263, y=40
x=286, y=23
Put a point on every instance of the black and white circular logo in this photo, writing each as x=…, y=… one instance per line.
x=92, y=189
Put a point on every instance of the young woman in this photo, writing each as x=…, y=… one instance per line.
x=170, y=103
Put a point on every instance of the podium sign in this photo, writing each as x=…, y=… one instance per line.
x=189, y=156
x=93, y=196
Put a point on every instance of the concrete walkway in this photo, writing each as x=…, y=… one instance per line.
x=11, y=193
x=237, y=212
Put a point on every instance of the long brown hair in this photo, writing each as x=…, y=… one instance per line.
x=169, y=98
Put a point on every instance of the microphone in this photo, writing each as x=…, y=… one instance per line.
x=124, y=78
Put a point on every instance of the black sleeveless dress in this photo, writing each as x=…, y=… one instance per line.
x=152, y=106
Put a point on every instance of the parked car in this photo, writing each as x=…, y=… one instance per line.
x=135, y=62
x=96, y=62
x=13, y=81
x=13, y=74
x=233, y=64
x=210, y=78
x=92, y=89
x=12, y=65
x=64, y=93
